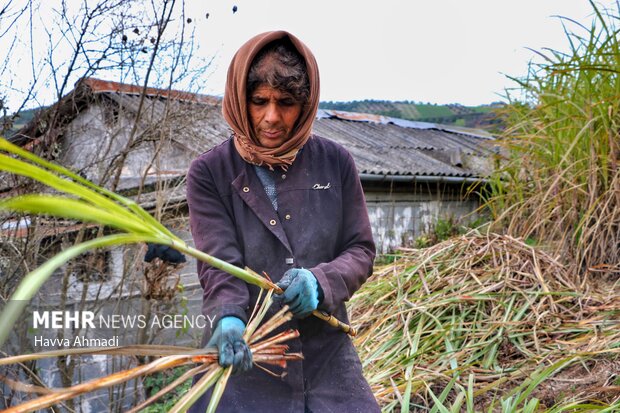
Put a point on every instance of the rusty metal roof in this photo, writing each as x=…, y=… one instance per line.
x=106, y=86
x=405, y=123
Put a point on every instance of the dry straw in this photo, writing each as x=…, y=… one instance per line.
x=476, y=317
x=265, y=352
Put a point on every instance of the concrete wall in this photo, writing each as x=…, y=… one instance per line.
x=397, y=219
x=95, y=138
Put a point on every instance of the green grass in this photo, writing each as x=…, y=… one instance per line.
x=433, y=111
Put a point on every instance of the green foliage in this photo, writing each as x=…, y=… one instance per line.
x=385, y=259
x=561, y=180
x=468, y=116
x=446, y=228
x=433, y=111
x=391, y=113
x=156, y=382
x=13, y=123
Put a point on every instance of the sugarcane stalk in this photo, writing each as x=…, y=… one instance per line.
x=108, y=381
x=252, y=277
x=334, y=322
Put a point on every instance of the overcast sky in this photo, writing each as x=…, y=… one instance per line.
x=439, y=51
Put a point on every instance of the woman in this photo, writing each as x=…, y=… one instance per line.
x=276, y=198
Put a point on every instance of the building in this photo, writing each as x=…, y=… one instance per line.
x=413, y=173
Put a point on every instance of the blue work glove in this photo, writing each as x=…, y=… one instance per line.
x=301, y=291
x=232, y=348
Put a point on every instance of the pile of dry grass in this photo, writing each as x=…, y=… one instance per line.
x=483, y=314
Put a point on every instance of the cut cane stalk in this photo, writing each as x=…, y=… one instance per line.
x=278, y=319
x=269, y=352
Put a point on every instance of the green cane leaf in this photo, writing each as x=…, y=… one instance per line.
x=75, y=209
x=62, y=171
x=198, y=389
x=18, y=167
x=28, y=287
x=218, y=390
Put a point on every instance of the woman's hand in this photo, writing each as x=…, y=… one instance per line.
x=301, y=291
x=232, y=348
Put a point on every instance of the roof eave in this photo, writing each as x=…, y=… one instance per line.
x=366, y=177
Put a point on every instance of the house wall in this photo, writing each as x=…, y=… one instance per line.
x=85, y=144
x=97, y=135
x=397, y=219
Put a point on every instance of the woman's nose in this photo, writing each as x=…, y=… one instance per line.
x=272, y=113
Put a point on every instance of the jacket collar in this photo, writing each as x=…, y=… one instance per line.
x=251, y=191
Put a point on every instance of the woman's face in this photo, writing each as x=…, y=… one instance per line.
x=273, y=114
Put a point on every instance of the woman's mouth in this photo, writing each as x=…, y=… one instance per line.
x=271, y=138
x=275, y=134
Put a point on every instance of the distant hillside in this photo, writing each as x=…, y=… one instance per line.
x=483, y=116
x=9, y=126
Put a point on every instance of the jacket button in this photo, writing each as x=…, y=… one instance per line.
x=272, y=222
x=283, y=176
x=246, y=189
x=287, y=216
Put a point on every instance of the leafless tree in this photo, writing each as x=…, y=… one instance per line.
x=45, y=47
x=48, y=48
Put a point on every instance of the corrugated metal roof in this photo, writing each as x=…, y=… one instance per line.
x=378, y=145
x=405, y=123
x=387, y=146
x=200, y=127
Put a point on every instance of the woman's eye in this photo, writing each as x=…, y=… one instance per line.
x=287, y=102
x=257, y=101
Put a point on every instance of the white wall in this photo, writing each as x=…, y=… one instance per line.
x=397, y=219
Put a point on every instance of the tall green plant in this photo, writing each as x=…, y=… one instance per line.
x=87, y=202
x=561, y=184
